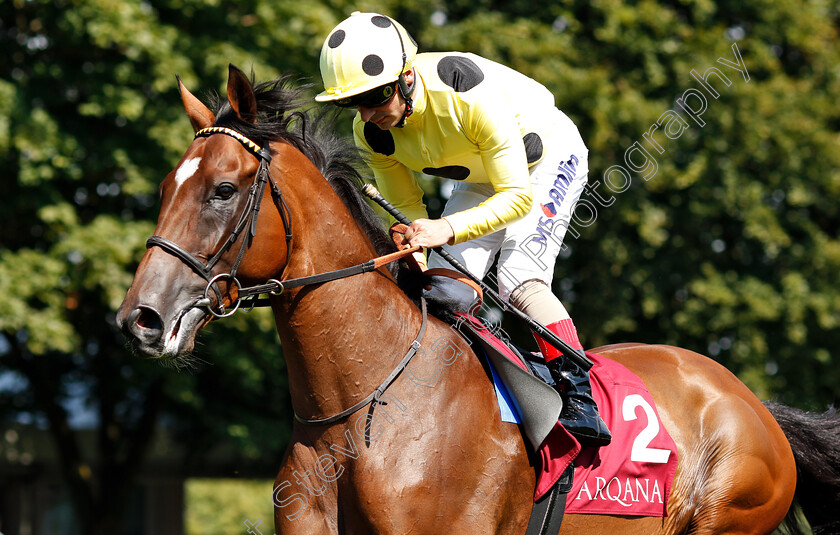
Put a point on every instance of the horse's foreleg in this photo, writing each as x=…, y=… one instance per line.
x=303, y=502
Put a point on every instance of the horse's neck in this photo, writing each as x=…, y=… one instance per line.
x=341, y=338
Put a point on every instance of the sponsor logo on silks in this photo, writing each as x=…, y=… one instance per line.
x=565, y=175
x=549, y=209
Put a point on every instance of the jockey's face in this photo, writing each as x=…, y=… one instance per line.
x=389, y=114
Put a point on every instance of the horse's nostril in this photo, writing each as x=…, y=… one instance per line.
x=143, y=327
x=149, y=319
x=144, y=324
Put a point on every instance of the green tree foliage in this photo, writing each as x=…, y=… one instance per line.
x=729, y=248
x=221, y=507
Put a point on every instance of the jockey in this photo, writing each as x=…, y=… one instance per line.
x=520, y=164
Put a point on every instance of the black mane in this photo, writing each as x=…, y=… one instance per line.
x=285, y=113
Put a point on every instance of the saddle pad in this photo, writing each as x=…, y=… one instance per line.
x=633, y=475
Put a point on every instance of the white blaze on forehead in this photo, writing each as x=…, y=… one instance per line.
x=187, y=169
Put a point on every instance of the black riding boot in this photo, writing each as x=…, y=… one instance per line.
x=580, y=413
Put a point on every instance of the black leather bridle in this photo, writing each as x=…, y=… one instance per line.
x=248, y=219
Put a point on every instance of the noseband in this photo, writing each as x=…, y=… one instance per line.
x=248, y=219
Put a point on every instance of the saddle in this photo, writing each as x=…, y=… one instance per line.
x=630, y=476
x=538, y=406
x=552, y=447
x=533, y=398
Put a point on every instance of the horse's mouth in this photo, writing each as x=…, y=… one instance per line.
x=180, y=339
x=171, y=343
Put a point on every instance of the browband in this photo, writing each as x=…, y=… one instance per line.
x=261, y=152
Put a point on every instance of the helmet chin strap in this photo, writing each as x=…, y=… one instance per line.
x=405, y=91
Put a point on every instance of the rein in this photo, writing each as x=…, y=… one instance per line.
x=276, y=287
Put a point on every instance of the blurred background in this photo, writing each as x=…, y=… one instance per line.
x=728, y=246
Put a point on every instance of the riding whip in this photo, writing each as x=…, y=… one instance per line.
x=534, y=325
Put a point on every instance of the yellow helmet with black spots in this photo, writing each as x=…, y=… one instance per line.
x=365, y=51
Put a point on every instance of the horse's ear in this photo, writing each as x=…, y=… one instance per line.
x=200, y=116
x=241, y=95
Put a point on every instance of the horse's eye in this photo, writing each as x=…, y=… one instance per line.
x=225, y=191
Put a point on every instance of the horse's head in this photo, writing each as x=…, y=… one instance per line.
x=206, y=232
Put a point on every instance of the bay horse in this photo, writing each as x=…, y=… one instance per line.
x=266, y=192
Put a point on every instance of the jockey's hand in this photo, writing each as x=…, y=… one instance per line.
x=429, y=233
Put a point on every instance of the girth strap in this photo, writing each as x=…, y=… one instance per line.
x=547, y=512
x=376, y=394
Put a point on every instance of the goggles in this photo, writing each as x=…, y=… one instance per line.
x=369, y=99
